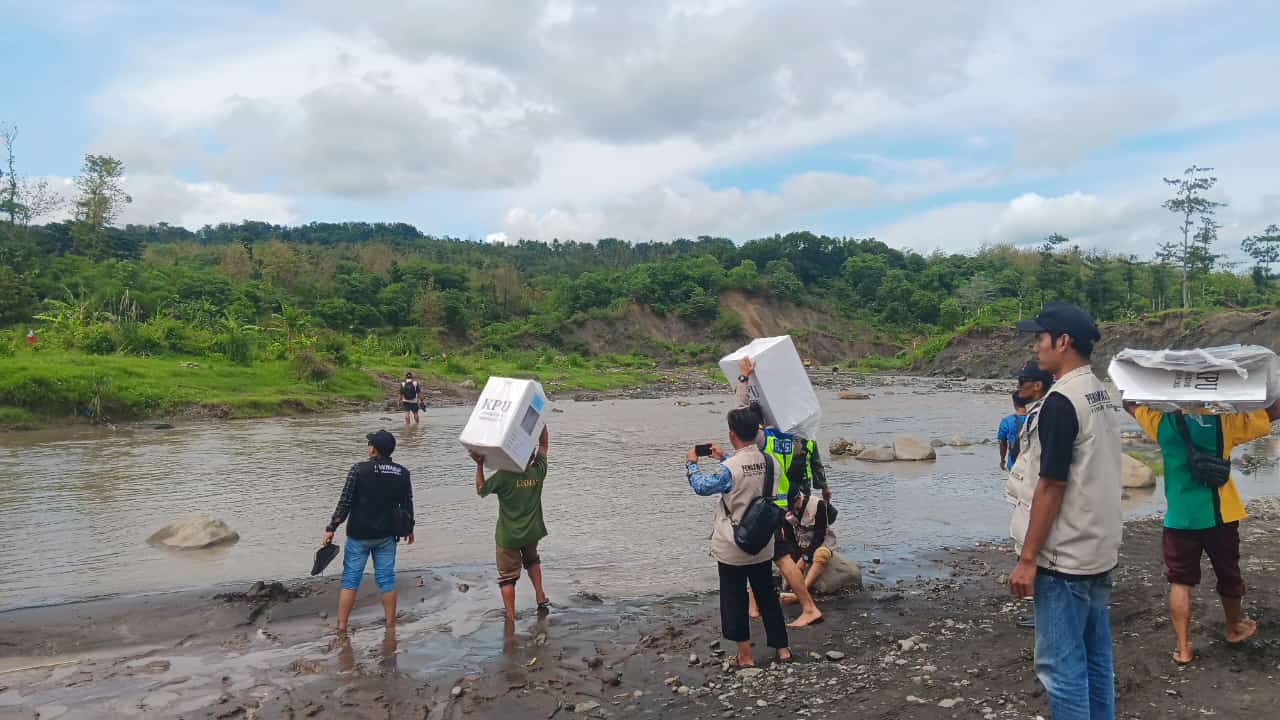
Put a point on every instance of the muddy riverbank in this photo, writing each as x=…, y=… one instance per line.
x=943, y=644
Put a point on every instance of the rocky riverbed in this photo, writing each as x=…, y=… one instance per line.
x=944, y=644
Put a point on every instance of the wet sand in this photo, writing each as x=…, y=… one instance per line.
x=941, y=645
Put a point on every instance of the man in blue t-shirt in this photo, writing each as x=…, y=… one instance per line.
x=1033, y=385
x=1010, y=426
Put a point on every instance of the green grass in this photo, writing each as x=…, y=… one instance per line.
x=556, y=372
x=1152, y=459
x=49, y=385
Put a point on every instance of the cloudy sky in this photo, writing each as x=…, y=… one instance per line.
x=927, y=124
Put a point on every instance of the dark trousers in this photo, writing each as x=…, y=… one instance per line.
x=733, y=603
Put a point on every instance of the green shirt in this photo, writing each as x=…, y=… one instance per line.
x=519, y=504
x=1193, y=506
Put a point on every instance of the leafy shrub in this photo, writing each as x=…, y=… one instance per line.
x=236, y=346
x=312, y=367
x=454, y=366
x=97, y=340
x=335, y=348
x=728, y=325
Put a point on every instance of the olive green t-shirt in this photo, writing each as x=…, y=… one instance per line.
x=519, y=504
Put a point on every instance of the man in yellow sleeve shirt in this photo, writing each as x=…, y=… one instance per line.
x=1201, y=519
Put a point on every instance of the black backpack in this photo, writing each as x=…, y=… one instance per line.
x=760, y=520
x=401, y=521
x=409, y=390
x=1210, y=471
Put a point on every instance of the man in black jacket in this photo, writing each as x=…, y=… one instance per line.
x=378, y=500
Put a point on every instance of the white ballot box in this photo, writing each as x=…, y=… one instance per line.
x=780, y=383
x=1231, y=378
x=506, y=423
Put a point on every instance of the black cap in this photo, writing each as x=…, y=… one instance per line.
x=382, y=441
x=1031, y=371
x=1063, y=318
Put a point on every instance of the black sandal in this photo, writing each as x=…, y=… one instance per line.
x=544, y=607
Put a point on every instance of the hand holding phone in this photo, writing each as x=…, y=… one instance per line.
x=702, y=450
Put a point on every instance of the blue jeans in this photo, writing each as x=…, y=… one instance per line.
x=1073, y=646
x=355, y=555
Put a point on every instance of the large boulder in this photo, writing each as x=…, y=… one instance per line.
x=1135, y=474
x=841, y=446
x=910, y=447
x=194, y=533
x=877, y=454
x=842, y=574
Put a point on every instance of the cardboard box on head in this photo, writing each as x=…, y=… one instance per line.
x=1229, y=378
x=506, y=423
x=780, y=383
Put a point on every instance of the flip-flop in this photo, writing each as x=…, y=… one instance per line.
x=734, y=666
x=1184, y=663
x=544, y=607
x=324, y=556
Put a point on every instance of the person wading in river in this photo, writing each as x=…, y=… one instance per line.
x=410, y=398
x=792, y=476
x=1203, y=518
x=377, y=504
x=520, y=524
x=1066, y=527
x=740, y=479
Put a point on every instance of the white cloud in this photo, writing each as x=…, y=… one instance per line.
x=1076, y=126
x=159, y=198
x=689, y=209
x=566, y=118
x=194, y=204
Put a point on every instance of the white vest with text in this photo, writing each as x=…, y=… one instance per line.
x=747, y=465
x=1085, y=538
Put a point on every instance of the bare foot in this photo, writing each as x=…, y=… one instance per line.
x=788, y=598
x=1184, y=657
x=806, y=619
x=1242, y=630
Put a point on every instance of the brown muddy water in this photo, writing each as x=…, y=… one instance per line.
x=77, y=505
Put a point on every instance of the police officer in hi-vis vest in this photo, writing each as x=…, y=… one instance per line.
x=797, y=472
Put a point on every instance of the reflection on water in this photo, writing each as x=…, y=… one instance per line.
x=78, y=506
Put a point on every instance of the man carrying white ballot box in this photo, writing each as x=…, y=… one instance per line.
x=1204, y=507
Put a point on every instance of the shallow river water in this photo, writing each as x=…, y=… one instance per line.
x=77, y=505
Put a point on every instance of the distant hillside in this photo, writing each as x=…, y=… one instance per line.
x=820, y=335
x=994, y=352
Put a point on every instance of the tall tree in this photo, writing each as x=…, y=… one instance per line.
x=102, y=197
x=1265, y=251
x=1190, y=203
x=22, y=200
x=1049, y=271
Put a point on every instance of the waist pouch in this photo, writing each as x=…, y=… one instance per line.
x=1211, y=471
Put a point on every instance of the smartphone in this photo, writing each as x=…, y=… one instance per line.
x=702, y=450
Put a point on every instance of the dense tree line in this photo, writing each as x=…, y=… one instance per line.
x=250, y=288
x=364, y=277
